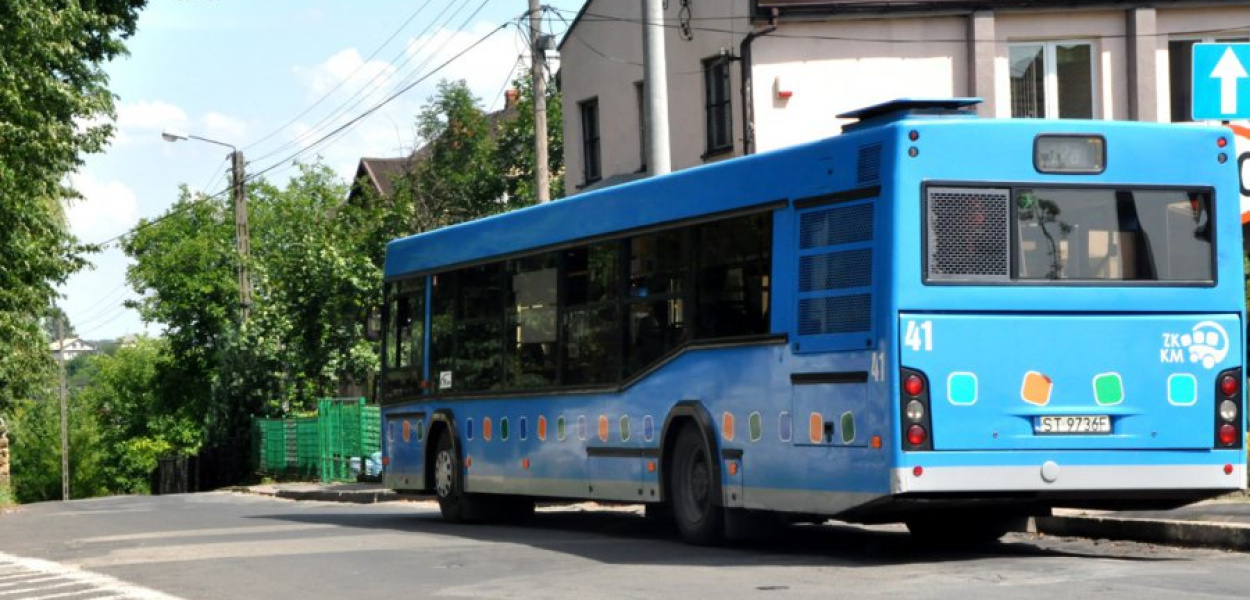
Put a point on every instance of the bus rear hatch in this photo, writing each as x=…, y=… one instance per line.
x=1043, y=382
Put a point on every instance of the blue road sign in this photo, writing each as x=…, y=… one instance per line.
x=1221, y=84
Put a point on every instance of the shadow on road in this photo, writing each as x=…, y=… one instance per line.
x=627, y=538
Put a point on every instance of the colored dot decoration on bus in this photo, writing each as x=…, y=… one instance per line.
x=583, y=431
x=624, y=424
x=1108, y=389
x=1182, y=389
x=848, y=427
x=603, y=428
x=961, y=388
x=1036, y=388
x=503, y=429
x=648, y=428
x=407, y=430
x=486, y=428
x=468, y=429
x=420, y=429
x=727, y=426
x=785, y=426
x=560, y=430
x=523, y=426
x=816, y=428
x=755, y=425
x=390, y=431
x=542, y=429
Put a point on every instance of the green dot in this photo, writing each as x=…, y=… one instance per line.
x=756, y=424
x=1108, y=389
x=503, y=429
x=848, y=428
x=624, y=428
x=560, y=432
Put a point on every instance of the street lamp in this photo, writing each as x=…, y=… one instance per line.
x=241, y=243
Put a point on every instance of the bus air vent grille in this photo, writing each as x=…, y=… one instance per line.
x=868, y=167
x=835, y=314
x=836, y=270
x=968, y=234
x=835, y=226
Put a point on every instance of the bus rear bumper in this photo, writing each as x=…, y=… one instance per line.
x=1054, y=477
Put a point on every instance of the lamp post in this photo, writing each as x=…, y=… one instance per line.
x=239, y=193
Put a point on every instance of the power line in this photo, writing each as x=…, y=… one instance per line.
x=593, y=17
x=343, y=81
x=369, y=88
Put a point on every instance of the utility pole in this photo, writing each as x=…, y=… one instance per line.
x=538, y=54
x=60, y=356
x=655, y=86
x=242, y=244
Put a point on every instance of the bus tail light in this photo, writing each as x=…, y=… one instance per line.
x=915, y=422
x=1228, y=409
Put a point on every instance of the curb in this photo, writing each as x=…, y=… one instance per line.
x=1224, y=536
x=354, y=497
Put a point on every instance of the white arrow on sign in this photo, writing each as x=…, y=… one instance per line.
x=1228, y=71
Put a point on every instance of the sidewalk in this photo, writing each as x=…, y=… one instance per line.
x=1222, y=523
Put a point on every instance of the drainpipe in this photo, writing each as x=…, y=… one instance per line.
x=748, y=80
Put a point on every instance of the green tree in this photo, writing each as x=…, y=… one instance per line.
x=515, y=153
x=455, y=175
x=35, y=438
x=54, y=108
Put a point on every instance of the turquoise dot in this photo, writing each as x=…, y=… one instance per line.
x=1183, y=389
x=962, y=389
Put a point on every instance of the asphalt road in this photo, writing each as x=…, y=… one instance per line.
x=227, y=546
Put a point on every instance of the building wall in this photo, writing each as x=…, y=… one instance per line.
x=831, y=67
x=836, y=64
x=602, y=57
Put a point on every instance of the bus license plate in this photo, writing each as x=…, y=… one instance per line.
x=1061, y=424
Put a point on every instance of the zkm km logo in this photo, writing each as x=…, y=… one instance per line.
x=1206, y=344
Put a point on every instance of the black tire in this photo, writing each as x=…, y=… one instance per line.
x=695, y=492
x=453, y=502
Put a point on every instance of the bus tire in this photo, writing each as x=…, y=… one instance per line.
x=455, y=505
x=695, y=503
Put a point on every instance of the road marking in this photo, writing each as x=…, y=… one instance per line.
x=34, y=579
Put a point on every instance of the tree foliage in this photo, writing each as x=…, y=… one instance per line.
x=516, y=156
x=54, y=107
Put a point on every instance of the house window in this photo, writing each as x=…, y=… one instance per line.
x=1052, y=80
x=590, y=140
x=1180, y=74
x=642, y=125
x=718, y=118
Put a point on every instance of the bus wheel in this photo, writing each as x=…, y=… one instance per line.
x=694, y=488
x=449, y=483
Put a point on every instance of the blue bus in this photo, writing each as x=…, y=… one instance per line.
x=935, y=319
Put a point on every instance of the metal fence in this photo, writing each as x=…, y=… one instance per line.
x=335, y=445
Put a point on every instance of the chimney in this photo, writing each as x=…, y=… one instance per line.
x=511, y=98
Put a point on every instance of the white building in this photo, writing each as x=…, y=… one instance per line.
x=752, y=75
x=70, y=348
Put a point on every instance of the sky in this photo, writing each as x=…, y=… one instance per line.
x=270, y=78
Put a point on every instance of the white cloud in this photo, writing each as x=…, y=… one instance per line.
x=144, y=119
x=347, y=71
x=106, y=209
x=222, y=127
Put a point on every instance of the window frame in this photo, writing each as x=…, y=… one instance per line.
x=592, y=149
x=1014, y=279
x=619, y=300
x=717, y=106
x=1050, y=78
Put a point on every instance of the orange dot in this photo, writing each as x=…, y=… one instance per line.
x=816, y=428
x=603, y=428
x=407, y=430
x=727, y=426
x=486, y=429
x=468, y=462
x=733, y=468
x=542, y=429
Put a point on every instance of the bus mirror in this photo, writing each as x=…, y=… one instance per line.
x=1244, y=173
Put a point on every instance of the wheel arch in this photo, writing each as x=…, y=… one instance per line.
x=683, y=413
x=443, y=421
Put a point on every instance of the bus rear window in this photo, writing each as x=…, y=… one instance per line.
x=1072, y=234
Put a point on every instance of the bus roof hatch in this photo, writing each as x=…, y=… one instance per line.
x=893, y=110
